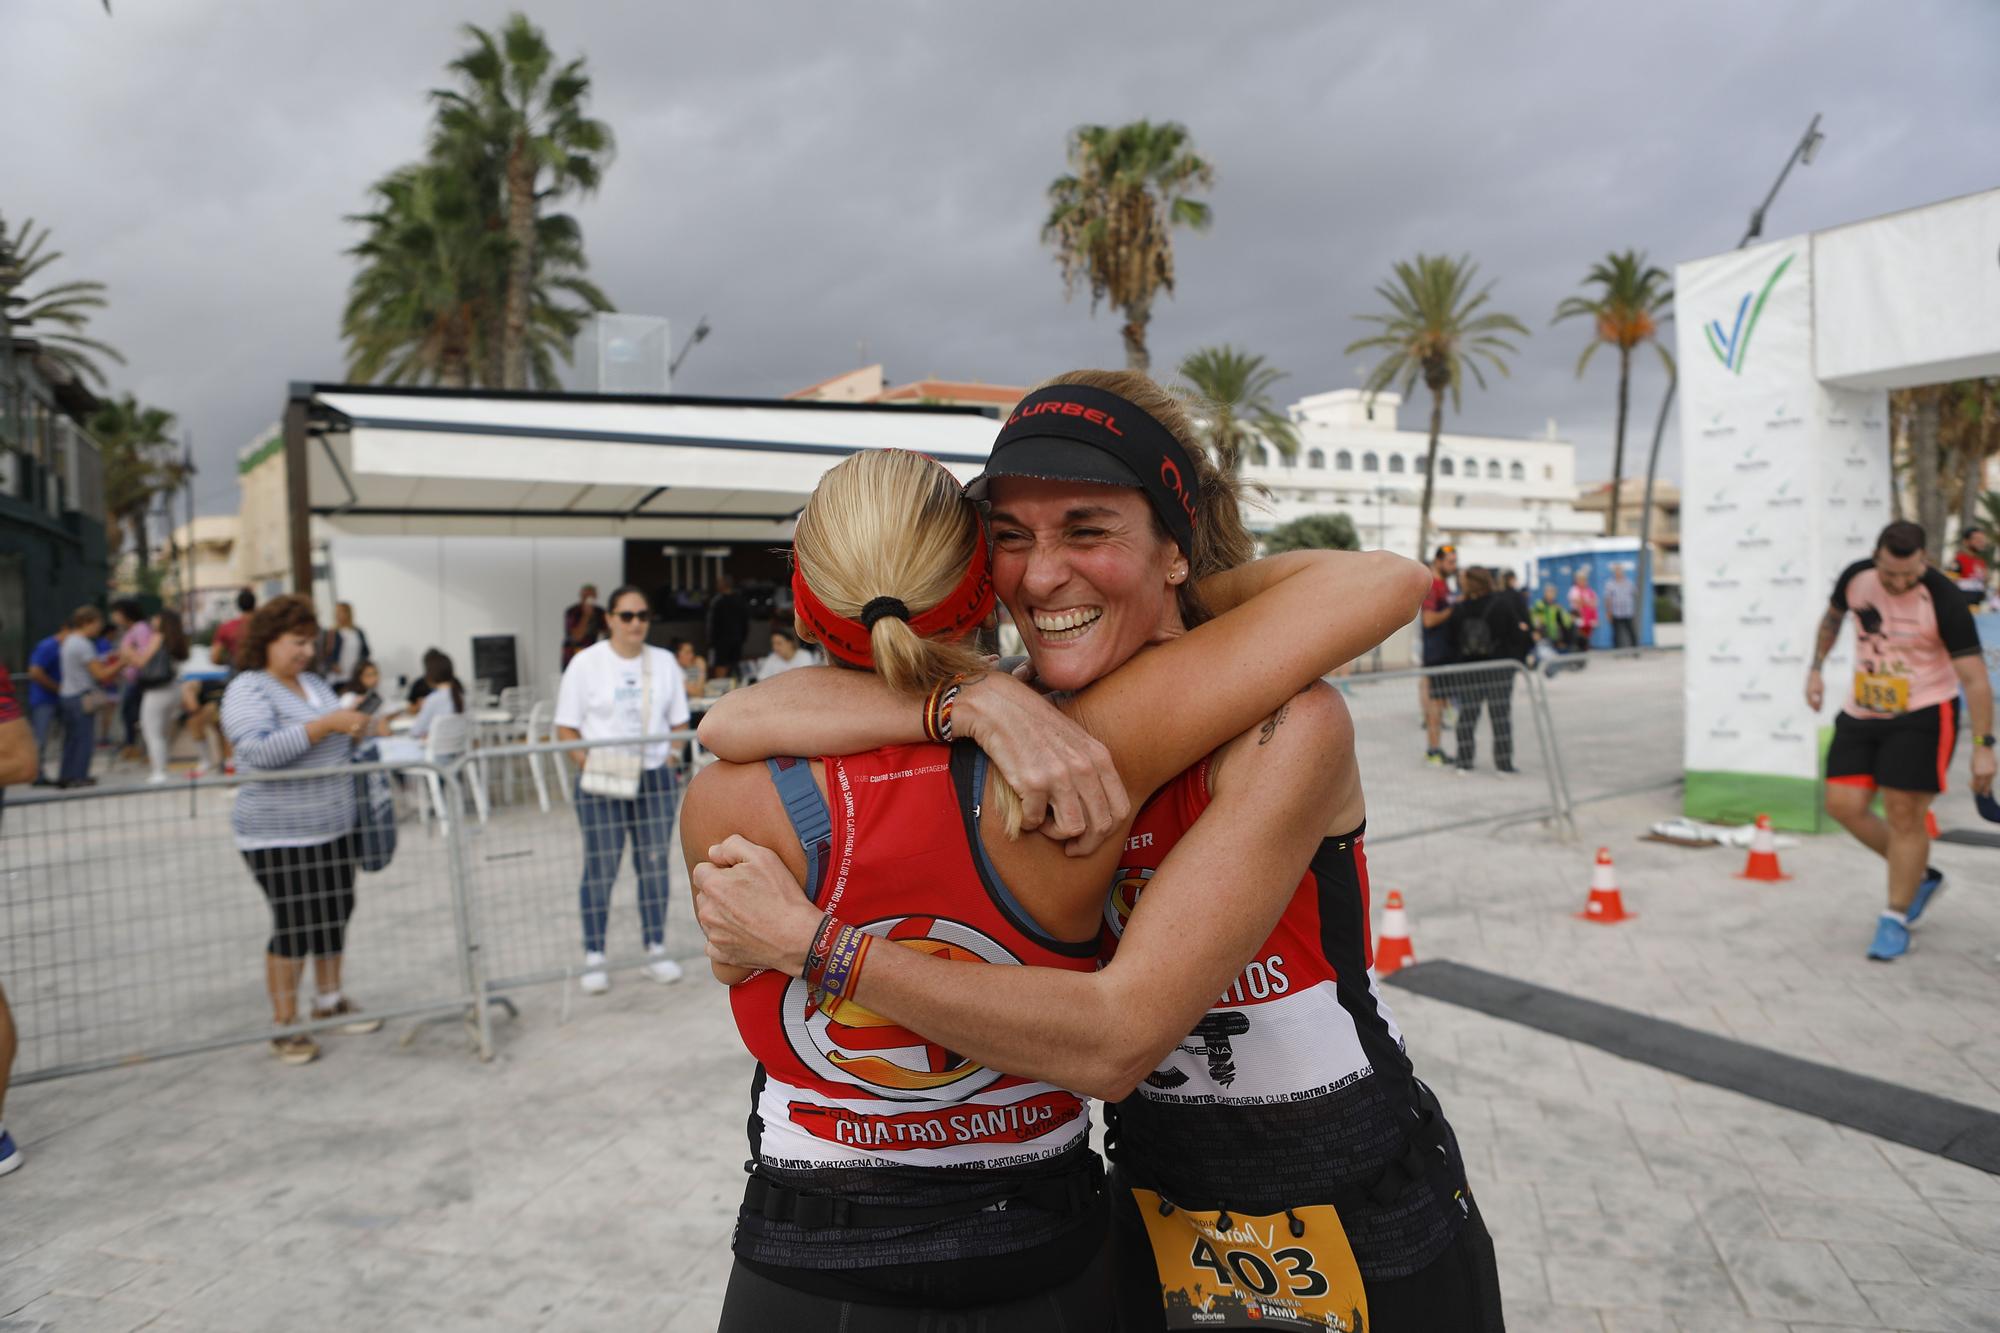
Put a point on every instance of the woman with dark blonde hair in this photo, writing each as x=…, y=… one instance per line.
x=296, y=836
x=896, y=1184
x=1273, y=1149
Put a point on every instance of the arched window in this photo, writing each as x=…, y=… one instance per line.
x=1515, y=472
x=1395, y=462
x=1420, y=464
x=1548, y=472
x=1471, y=469
x=1343, y=461
x=1317, y=458
x=1370, y=463
x=1444, y=467
x=1259, y=456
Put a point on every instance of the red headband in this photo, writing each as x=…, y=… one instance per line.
x=849, y=640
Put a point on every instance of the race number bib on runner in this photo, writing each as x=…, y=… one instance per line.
x=1259, y=1272
x=1879, y=692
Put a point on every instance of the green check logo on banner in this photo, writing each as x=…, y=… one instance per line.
x=1732, y=345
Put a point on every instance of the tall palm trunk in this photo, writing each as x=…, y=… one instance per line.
x=1618, y=445
x=520, y=263
x=1924, y=460
x=1137, y=316
x=139, y=538
x=1430, y=473
x=1972, y=473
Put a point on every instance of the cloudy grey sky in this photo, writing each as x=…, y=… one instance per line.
x=817, y=176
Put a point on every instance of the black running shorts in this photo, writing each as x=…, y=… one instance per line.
x=1907, y=753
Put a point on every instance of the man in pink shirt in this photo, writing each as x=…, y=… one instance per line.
x=1915, y=650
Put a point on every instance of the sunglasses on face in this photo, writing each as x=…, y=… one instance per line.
x=629, y=616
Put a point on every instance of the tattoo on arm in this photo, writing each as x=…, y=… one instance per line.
x=1272, y=723
x=1829, y=631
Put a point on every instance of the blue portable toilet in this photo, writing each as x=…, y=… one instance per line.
x=1599, y=556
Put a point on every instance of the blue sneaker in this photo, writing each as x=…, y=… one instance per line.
x=1927, y=888
x=10, y=1155
x=1892, y=940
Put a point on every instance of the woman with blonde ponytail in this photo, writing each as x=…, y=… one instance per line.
x=896, y=1184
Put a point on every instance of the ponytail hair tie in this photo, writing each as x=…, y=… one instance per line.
x=883, y=606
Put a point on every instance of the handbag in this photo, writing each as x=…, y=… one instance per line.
x=374, y=814
x=158, y=670
x=612, y=771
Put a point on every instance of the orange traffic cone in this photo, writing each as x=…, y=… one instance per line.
x=1605, y=907
x=1763, y=862
x=1392, y=950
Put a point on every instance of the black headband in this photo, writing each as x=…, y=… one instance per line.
x=1123, y=446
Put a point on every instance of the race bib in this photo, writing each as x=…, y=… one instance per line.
x=1259, y=1272
x=1879, y=692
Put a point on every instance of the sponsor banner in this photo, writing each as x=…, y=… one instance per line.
x=1786, y=481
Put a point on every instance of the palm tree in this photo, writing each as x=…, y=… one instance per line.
x=1434, y=329
x=1111, y=218
x=1230, y=393
x=137, y=448
x=1314, y=532
x=54, y=316
x=527, y=115
x=1627, y=312
x=428, y=261
x=1970, y=433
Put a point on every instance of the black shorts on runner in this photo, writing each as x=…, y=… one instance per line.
x=1907, y=753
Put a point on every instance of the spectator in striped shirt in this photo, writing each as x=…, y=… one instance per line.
x=296, y=836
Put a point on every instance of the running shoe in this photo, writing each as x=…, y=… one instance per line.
x=595, y=980
x=1929, y=887
x=662, y=968
x=359, y=1026
x=1892, y=940
x=10, y=1153
x=1435, y=758
x=295, y=1048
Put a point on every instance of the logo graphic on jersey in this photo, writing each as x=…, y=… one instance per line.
x=1211, y=1039
x=1124, y=896
x=845, y=1043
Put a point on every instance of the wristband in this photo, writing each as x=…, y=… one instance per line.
x=843, y=963
x=949, y=697
x=1983, y=742
x=816, y=953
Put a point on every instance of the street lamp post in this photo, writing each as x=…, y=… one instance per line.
x=700, y=332
x=1802, y=153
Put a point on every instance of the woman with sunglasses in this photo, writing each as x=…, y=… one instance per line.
x=621, y=688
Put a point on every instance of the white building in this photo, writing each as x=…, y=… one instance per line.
x=1496, y=499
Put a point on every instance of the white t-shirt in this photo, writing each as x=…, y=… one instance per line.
x=436, y=704
x=774, y=665
x=602, y=697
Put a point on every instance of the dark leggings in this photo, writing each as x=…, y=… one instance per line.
x=311, y=891
x=1457, y=1292
x=1478, y=688
x=1084, y=1304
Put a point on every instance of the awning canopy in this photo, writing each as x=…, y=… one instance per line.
x=439, y=462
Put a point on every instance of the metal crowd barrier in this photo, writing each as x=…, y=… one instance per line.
x=1503, y=704
x=131, y=928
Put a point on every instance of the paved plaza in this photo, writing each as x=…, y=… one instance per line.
x=587, y=1177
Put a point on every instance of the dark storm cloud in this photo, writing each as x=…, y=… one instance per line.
x=821, y=177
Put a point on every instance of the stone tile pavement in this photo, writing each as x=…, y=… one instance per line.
x=586, y=1178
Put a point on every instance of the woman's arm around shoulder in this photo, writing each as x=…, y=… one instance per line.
x=1212, y=902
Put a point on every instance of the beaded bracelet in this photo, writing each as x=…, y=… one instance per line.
x=949, y=697
x=821, y=941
